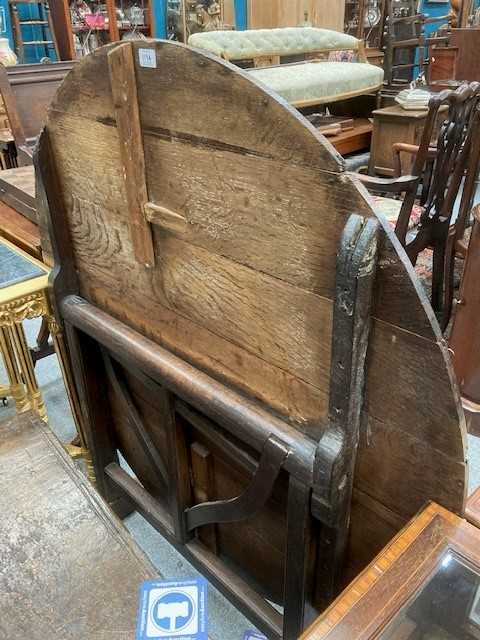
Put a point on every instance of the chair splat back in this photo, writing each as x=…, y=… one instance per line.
x=454, y=144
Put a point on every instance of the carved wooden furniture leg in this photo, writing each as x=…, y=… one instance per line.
x=16, y=388
x=300, y=560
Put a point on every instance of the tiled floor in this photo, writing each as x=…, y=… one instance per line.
x=225, y=622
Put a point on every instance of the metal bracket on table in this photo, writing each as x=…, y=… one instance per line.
x=337, y=449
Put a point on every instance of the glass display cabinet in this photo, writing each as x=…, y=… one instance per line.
x=186, y=17
x=97, y=22
x=364, y=19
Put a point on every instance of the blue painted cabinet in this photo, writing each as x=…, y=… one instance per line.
x=5, y=23
x=241, y=15
x=434, y=9
x=159, y=18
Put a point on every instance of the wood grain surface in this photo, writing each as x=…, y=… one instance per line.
x=244, y=290
x=328, y=14
x=405, y=565
x=23, y=233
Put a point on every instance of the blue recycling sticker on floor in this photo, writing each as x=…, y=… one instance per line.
x=254, y=635
x=173, y=610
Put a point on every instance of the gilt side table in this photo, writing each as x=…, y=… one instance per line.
x=24, y=295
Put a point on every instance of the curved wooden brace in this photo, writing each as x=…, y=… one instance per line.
x=273, y=456
x=141, y=433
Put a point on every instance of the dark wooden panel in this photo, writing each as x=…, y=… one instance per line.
x=468, y=63
x=27, y=91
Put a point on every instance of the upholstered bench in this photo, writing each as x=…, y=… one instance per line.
x=313, y=81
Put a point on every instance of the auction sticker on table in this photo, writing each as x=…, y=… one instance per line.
x=172, y=610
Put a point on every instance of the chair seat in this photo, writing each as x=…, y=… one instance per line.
x=390, y=208
x=320, y=82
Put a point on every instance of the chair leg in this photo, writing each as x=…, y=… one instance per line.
x=438, y=271
x=43, y=348
x=449, y=272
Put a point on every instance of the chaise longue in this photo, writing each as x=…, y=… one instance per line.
x=316, y=80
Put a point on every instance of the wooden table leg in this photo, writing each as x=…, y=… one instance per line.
x=16, y=388
x=17, y=336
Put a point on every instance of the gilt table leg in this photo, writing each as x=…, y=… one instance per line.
x=16, y=388
x=74, y=451
x=17, y=336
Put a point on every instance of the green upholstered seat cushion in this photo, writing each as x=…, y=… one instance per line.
x=238, y=45
x=320, y=82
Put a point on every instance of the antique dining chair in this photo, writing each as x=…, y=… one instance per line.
x=423, y=214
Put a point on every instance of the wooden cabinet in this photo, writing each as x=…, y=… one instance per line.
x=443, y=64
x=467, y=42
x=391, y=125
x=328, y=14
